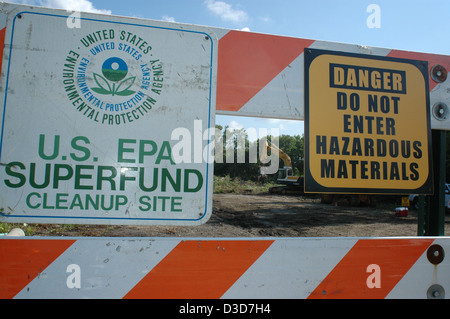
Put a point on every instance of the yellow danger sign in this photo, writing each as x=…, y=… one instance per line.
x=367, y=124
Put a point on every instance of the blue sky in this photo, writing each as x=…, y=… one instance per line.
x=421, y=26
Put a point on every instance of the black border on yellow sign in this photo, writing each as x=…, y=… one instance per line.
x=311, y=185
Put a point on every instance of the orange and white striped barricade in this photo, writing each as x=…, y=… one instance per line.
x=189, y=268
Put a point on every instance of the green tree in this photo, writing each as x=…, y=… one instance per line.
x=294, y=147
x=234, y=156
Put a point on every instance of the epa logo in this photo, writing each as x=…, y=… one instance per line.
x=113, y=78
x=114, y=81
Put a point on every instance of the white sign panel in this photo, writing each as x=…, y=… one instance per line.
x=105, y=119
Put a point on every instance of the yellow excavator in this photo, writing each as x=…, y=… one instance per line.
x=286, y=177
x=291, y=183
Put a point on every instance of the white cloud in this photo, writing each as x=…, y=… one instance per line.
x=271, y=121
x=226, y=12
x=234, y=125
x=168, y=19
x=72, y=5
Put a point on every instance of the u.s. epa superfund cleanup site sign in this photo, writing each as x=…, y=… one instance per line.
x=367, y=124
x=101, y=118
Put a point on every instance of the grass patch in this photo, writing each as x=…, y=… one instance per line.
x=27, y=229
x=227, y=184
x=57, y=229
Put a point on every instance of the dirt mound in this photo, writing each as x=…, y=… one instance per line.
x=267, y=215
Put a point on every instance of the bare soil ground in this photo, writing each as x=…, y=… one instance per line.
x=269, y=215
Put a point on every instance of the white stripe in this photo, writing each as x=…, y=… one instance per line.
x=109, y=268
x=291, y=268
x=422, y=275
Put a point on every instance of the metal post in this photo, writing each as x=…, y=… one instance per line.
x=432, y=209
x=422, y=216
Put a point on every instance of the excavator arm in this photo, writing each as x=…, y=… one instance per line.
x=282, y=155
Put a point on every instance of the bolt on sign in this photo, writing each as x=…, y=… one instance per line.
x=95, y=117
x=367, y=124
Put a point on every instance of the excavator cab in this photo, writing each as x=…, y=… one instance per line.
x=284, y=173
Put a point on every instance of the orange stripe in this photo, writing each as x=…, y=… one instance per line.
x=199, y=269
x=22, y=260
x=248, y=62
x=433, y=59
x=348, y=280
